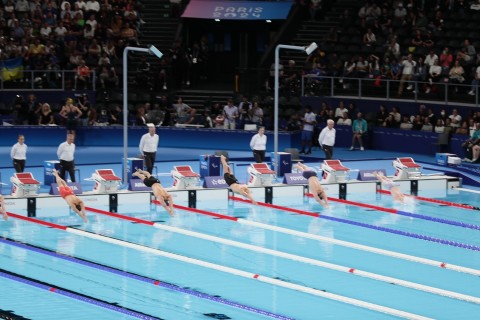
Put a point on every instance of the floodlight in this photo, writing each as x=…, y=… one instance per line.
x=311, y=48
x=155, y=51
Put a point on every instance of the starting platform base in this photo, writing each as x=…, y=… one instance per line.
x=141, y=200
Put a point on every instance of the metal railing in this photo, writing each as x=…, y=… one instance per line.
x=386, y=89
x=49, y=80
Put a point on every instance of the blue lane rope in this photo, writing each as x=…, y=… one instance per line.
x=142, y=278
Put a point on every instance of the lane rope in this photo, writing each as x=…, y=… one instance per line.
x=437, y=201
x=131, y=275
x=74, y=295
x=293, y=257
x=238, y=272
x=406, y=214
x=366, y=225
x=342, y=243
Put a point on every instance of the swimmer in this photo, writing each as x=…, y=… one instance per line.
x=3, y=210
x=66, y=193
x=391, y=185
x=160, y=193
x=233, y=183
x=314, y=185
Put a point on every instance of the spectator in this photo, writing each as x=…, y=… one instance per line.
x=308, y=120
x=45, y=115
x=475, y=81
x=456, y=119
x=406, y=124
x=256, y=114
x=344, y=120
x=369, y=38
x=230, y=112
x=382, y=115
x=340, y=110
x=427, y=126
x=408, y=67
x=446, y=59
x=456, y=75
x=359, y=129
x=434, y=73
x=185, y=114
x=82, y=75
x=439, y=126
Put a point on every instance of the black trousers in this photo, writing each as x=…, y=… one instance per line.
x=328, y=151
x=18, y=165
x=259, y=155
x=67, y=166
x=149, y=160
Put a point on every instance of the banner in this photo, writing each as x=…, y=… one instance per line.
x=237, y=10
x=12, y=69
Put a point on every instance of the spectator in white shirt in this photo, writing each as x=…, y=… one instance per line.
x=258, y=144
x=456, y=119
x=66, y=153
x=18, y=153
x=148, y=147
x=430, y=58
x=408, y=67
x=309, y=120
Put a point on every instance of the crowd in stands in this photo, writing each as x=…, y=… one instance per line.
x=413, y=42
x=82, y=36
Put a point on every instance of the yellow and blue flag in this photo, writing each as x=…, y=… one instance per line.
x=12, y=69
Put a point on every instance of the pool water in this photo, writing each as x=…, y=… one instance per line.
x=345, y=262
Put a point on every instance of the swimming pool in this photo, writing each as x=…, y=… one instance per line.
x=230, y=259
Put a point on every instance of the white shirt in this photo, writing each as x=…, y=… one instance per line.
x=327, y=137
x=230, y=113
x=429, y=59
x=149, y=143
x=258, y=142
x=66, y=151
x=19, y=151
x=408, y=66
x=309, y=117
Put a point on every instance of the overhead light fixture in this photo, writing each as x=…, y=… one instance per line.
x=311, y=48
x=217, y=20
x=268, y=21
x=153, y=50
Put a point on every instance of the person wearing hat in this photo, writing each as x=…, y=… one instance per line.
x=148, y=147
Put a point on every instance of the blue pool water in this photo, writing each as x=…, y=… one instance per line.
x=116, y=281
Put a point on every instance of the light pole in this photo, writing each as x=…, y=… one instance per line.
x=309, y=51
x=150, y=50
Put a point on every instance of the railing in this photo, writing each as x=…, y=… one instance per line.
x=387, y=89
x=49, y=80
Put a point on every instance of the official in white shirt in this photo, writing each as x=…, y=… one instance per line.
x=259, y=144
x=148, y=147
x=18, y=153
x=326, y=140
x=66, y=154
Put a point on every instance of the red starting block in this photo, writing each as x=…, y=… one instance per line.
x=184, y=177
x=260, y=175
x=334, y=171
x=105, y=181
x=24, y=184
x=406, y=168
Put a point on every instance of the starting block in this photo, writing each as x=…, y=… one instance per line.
x=23, y=184
x=334, y=171
x=105, y=181
x=406, y=168
x=184, y=177
x=260, y=175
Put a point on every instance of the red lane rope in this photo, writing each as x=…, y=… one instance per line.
x=269, y=205
x=358, y=204
x=124, y=217
x=207, y=213
x=447, y=203
x=45, y=223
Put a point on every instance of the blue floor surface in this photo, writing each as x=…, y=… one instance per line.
x=88, y=159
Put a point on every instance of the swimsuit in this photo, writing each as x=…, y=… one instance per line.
x=65, y=191
x=309, y=174
x=150, y=181
x=230, y=179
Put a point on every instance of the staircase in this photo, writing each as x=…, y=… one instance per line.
x=316, y=30
x=160, y=29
